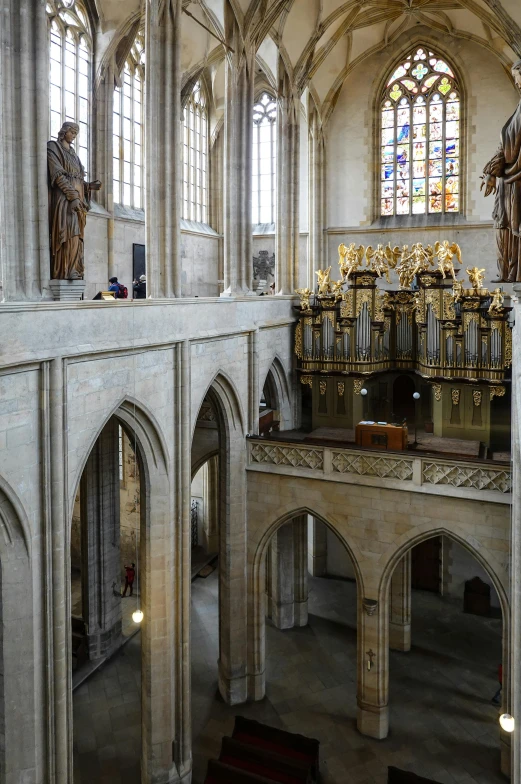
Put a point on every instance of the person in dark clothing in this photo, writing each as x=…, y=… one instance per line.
x=140, y=288
x=120, y=291
x=129, y=578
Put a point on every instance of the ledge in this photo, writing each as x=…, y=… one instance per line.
x=380, y=226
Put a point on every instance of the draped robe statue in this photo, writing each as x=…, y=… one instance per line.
x=506, y=166
x=69, y=202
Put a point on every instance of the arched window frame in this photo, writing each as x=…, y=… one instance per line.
x=70, y=71
x=195, y=155
x=447, y=185
x=128, y=126
x=264, y=167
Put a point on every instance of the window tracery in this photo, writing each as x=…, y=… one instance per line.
x=420, y=138
x=70, y=50
x=128, y=130
x=195, y=157
x=264, y=160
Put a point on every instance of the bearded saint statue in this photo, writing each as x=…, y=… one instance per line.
x=502, y=176
x=69, y=202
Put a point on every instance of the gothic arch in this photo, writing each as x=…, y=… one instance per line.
x=256, y=559
x=224, y=393
x=485, y=559
x=278, y=379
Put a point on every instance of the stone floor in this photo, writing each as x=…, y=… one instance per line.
x=443, y=724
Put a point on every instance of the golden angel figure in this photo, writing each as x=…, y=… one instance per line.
x=349, y=259
x=444, y=253
x=324, y=282
x=457, y=290
x=304, y=295
x=476, y=276
x=377, y=261
x=496, y=306
x=336, y=288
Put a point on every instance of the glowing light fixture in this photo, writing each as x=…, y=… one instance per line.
x=363, y=392
x=137, y=616
x=507, y=722
x=416, y=395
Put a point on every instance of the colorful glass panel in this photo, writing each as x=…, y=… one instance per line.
x=420, y=137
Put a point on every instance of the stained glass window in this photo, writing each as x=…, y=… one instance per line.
x=264, y=160
x=128, y=130
x=195, y=157
x=420, y=138
x=70, y=49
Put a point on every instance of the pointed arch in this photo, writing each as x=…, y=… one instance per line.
x=222, y=390
x=281, y=388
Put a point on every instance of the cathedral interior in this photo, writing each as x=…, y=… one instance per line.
x=260, y=269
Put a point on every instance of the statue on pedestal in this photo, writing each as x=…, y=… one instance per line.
x=69, y=202
x=502, y=176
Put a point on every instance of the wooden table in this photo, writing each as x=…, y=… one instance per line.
x=381, y=436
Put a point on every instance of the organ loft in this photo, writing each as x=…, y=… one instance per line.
x=260, y=509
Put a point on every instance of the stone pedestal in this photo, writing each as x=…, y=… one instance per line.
x=67, y=290
x=373, y=720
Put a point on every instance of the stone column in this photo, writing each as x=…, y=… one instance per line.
x=288, y=184
x=400, y=606
x=287, y=583
x=317, y=547
x=24, y=128
x=60, y=680
x=512, y=687
x=238, y=134
x=100, y=550
x=317, y=174
x=102, y=134
x=211, y=505
x=163, y=149
x=254, y=392
x=373, y=670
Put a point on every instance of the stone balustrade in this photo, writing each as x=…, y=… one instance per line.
x=476, y=479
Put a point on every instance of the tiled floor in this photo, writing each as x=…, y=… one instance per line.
x=443, y=724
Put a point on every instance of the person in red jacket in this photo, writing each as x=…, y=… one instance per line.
x=129, y=578
x=497, y=695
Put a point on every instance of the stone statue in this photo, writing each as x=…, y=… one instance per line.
x=69, y=202
x=502, y=176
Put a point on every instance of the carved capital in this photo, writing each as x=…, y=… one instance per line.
x=370, y=606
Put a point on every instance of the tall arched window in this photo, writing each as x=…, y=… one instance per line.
x=195, y=157
x=420, y=137
x=128, y=130
x=264, y=160
x=70, y=70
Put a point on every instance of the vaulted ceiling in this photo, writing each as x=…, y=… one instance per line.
x=321, y=41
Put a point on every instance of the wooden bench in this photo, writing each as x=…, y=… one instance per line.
x=397, y=776
x=271, y=739
x=272, y=765
x=220, y=773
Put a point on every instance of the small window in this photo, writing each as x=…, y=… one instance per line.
x=264, y=184
x=70, y=59
x=128, y=130
x=420, y=138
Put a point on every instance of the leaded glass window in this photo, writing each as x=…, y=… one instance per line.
x=420, y=138
x=264, y=160
x=195, y=157
x=70, y=70
x=128, y=130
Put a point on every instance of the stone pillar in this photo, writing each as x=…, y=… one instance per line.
x=211, y=504
x=254, y=392
x=238, y=134
x=287, y=583
x=512, y=686
x=60, y=689
x=317, y=174
x=288, y=184
x=317, y=547
x=102, y=134
x=373, y=670
x=101, y=559
x=400, y=606
x=24, y=128
x=163, y=149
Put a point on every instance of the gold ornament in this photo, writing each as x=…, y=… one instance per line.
x=476, y=277
x=455, y=394
x=307, y=380
x=444, y=253
x=304, y=295
x=496, y=306
x=349, y=259
x=437, y=391
x=340, y=388
x=476, y=397
x=497, y=392
x=323, y=387
x=324, y=282
x=357, y=385
x=298, y=340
